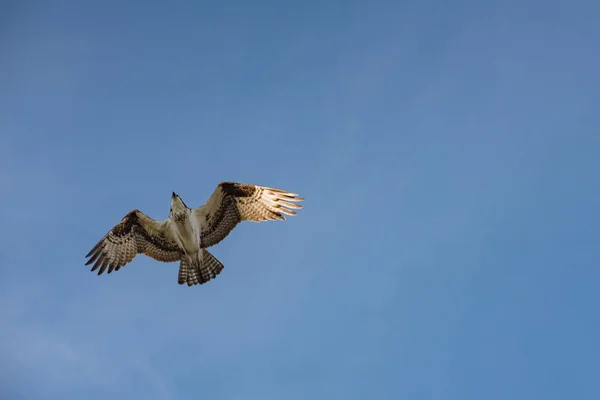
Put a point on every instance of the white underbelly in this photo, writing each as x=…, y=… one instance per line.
x=186, y=237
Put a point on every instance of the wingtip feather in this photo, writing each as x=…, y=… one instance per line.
x=93, y=250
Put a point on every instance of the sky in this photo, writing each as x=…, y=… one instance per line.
x=449, y=156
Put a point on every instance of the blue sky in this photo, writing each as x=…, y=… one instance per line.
x=449, y=154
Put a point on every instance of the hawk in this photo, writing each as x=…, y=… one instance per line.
x=187, y=232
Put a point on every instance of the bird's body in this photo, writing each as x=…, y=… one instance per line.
x=187, y=232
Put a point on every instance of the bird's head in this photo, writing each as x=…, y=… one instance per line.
x=177, y=204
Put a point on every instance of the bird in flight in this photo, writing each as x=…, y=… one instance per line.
x=187, y=232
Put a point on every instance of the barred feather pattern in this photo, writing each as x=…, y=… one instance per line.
x=208, y=269
x=135, y=234
x=187, y=274
x=232, y=203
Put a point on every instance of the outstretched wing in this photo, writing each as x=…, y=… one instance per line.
x=135, y=234
x=232, y=203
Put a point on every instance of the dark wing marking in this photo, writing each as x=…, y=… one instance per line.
x=232, y=203
x=135, y=234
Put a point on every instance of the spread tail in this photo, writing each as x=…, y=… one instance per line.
x=199, y=271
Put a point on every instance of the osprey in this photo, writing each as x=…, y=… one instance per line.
x=187, y=232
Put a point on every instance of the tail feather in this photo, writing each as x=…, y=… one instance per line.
x=200, y=271
x=210, y=267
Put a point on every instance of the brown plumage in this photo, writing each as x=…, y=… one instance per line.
x=186, y=233
x=135, y=234
x=232, y=203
